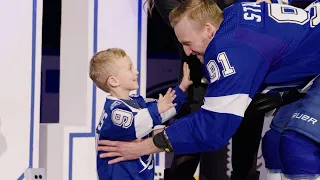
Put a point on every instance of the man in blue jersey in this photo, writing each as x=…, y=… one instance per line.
x=248, y=134
x=247, y=48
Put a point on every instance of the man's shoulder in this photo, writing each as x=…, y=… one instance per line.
x=222, y=44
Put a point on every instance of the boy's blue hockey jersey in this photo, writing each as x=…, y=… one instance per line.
x=127, y=120
x=258, y=45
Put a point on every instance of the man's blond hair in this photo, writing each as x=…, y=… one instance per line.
x=102, y=66
x=201, y=11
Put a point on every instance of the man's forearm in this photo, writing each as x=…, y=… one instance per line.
x=147, y=147
x=202, y=131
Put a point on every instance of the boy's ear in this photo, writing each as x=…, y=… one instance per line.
x=113, y=81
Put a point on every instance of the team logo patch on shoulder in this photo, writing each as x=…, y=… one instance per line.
x=114, y=104
x=122, y=118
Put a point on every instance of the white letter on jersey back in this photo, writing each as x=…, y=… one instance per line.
x=251, y=11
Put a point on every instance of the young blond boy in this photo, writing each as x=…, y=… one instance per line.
x=129, y=117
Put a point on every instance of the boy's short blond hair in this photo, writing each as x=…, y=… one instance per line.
x=102, y=66
x=201, y=11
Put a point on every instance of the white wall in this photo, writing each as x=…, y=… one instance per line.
x=68, y=148
x=20, y=65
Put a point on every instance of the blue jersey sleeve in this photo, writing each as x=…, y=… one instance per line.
x=234, y=75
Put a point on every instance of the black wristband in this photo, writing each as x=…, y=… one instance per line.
x=160, y=141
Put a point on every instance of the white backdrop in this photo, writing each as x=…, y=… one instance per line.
x=21, y=26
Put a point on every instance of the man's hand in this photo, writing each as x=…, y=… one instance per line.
x=124, y=151
x=186, y=82
x=165, y=102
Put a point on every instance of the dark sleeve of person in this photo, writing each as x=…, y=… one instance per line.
x=165, y=6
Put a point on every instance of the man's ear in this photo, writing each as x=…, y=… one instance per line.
x=210, y=30
x=113, y=81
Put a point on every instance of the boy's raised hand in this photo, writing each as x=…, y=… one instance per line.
x=186, y=82
x=165, y=102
